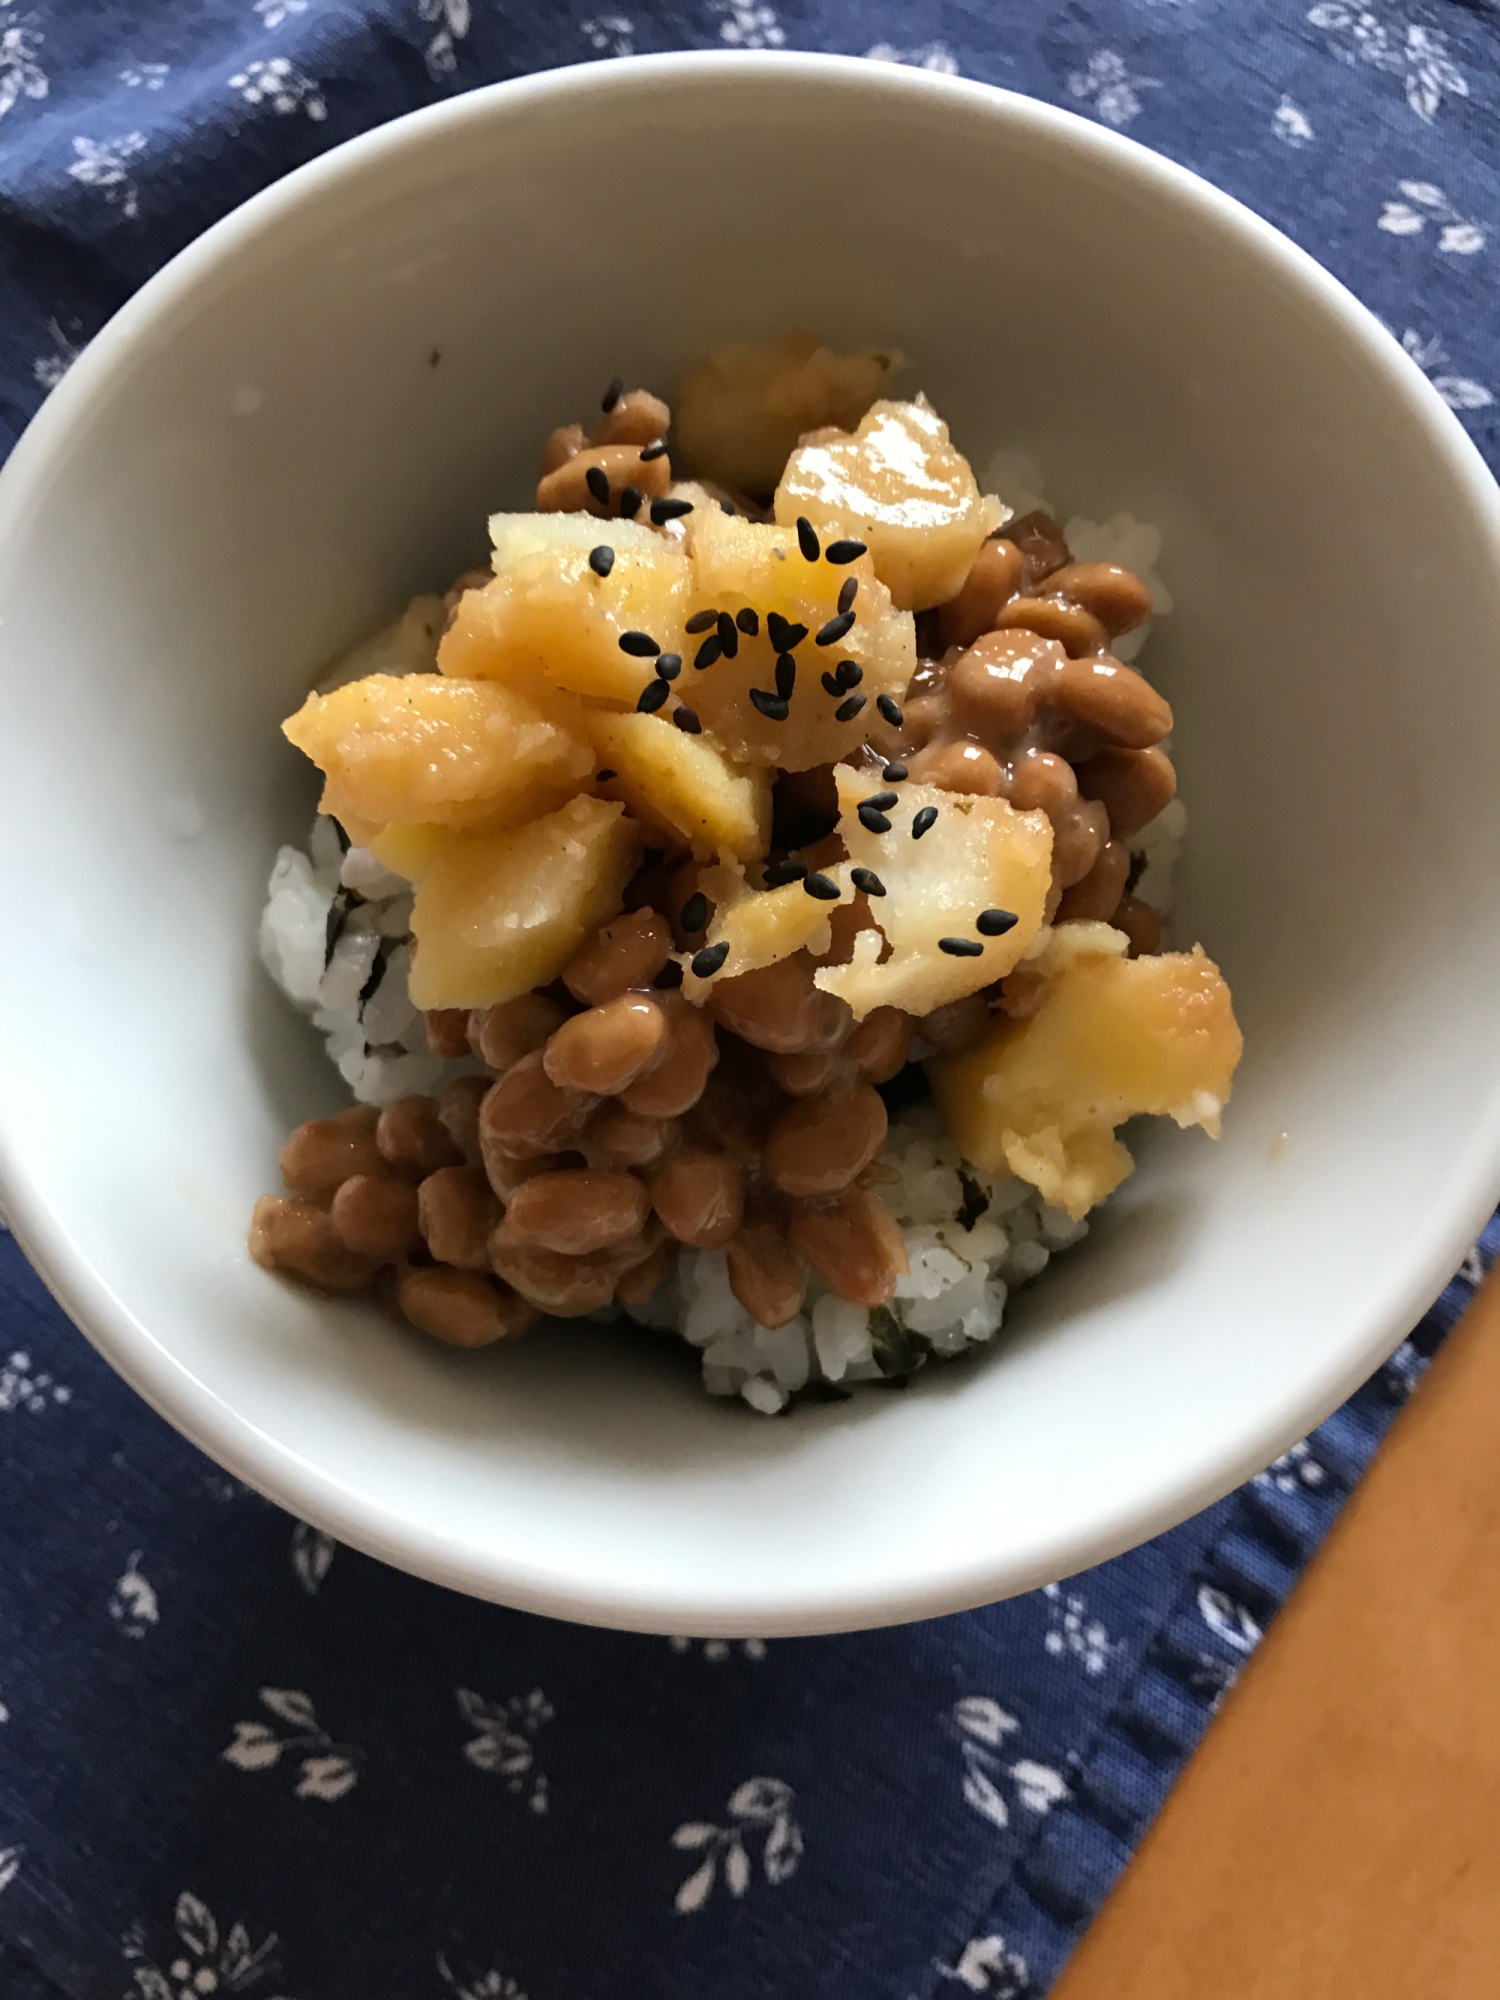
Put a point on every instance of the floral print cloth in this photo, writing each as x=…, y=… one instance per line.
x=237, y=1759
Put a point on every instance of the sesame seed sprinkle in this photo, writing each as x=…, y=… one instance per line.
x=708, y=652
x=882, y=801
x=603, y=777
x=612, y=394
x=848, y=591
x=657, y=449
x=867, y=880
x=848, y=673
x=785, y=872
x=783, y=635
x=890, y=708
x=687, y=721
x=630, y=502
x=596, y=479
x=893, y=773
x=995, y=923
x=729, y=637
x=961, y=947
x=707, y=962
x=748, y=622
x=822, y=887
x=701, y=621
x=694, y=913
x=786, y=675
x=602, y=559
x=641, y=644
x=873, y=820
x=832, y=686
x=843, y=552
x=663, y=511
x=772, y=706
x=807, y=538
x=834, y=630
x=847, y=710
x=668, y=666
x=652, y=695
x=922, y=821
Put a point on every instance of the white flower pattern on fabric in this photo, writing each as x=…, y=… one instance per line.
x=720, y=1649
x=1459, y=392
x=1291, y=124
x=1424, y=203
x=202, y=1962
x=133, y=1604
x=1230, y=1620
x=760, y=1809
x=145, y=76
x=1405, y=1369
x=453, y=21
x=1074, y=1632
x=936, y=56
x=987, y=1965
x=505, y=1745
x=10, y=1865
x=21, y=1386
x=981, y=1726
x=745, y=25
x=330, y=1770
x=274, y=12
x=312, y=1556
x=101, y=164
x=609, y=34
x=1471, y=1270
x=21, y=75
x=1295, y=1471
x=1389, y=42
x=279, y=83
x=478, y=1986
x=1111, y=88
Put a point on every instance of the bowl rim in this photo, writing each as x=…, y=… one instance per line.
x=446, y=1557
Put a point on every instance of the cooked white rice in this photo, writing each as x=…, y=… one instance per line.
x=335, y=935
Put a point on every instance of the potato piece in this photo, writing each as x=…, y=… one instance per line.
x=429, y=749
x=405, y=850
x=978, y=854
x=900, y=486
x=548, y=618
x=408, y=645
x=500, y=913
x=740, y=414
x=685, y=785
x=760, y=926
x=739, y=565
x=1113, y=1037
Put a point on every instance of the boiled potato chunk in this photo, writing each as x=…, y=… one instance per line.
x=901, y=487
x=497, y=914
x=686, y=785
x=753, y=565
x=978, y=854
x=741, y=413
x=1114, y=1036
x=425, y=748
x=405, y=850
x=548, y=618
x=760, y=926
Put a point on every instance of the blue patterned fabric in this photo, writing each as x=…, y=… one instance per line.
x=236, y=1759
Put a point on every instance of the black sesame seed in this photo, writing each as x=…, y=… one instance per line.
x=786, y=675
x=708, y=652
x=926, y=818
x=725, y=508
x=602, y=559
x=748, y=622
x=630, y=502
x=656, y=450
x=820, y=886
x=882, y=801
x=641, y=644
x=687, y=721
x=849, y=673
x=663, y=511
x=893, y=773
x=868, y=880
x=729, y=637
x=612, y=394
x=807, y=538
x=832, y=686
x=847, y=710
x=960, y=947
x=668, y=666
x=707, y=962
x=848, y=591
x=652, y=695
x=783, y=635
x=834, y=630
x=694, y=914
x=603, y=777
x=890, y=708
x=596, y=479
x=995, y=923
x=873, y=820
x=784, y=872
x=701, y=621
x=772, y=706
x=843, y=552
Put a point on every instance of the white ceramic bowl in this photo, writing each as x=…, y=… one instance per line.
x=306, y=417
